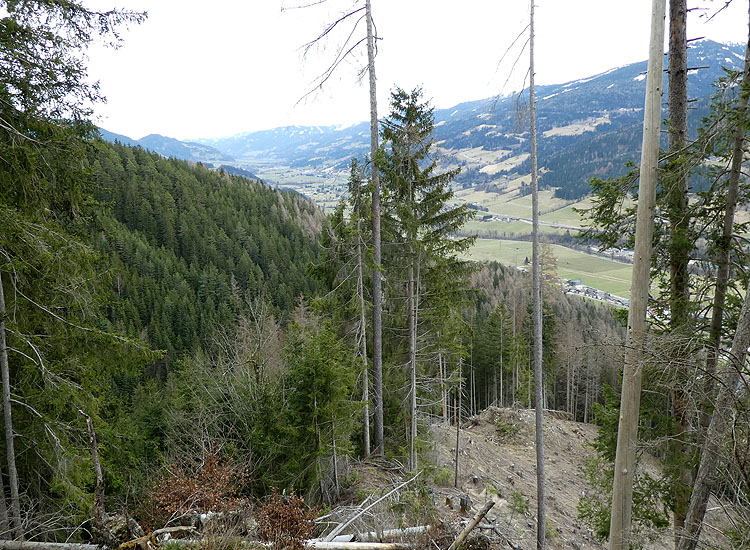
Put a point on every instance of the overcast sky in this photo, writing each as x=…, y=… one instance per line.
x=221, y=67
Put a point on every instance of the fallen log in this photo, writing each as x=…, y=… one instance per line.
x=346, y=524
x=317, y=545
x=373, y=536
x=149, y=541
x=29, y=545
x=333, y=545
x=473, y=523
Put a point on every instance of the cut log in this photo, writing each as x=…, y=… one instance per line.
x=150, y=539
x=473, y=523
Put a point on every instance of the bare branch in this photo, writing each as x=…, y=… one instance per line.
x=306, y=47
x=329, y=72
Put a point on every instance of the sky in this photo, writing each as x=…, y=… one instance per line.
x=201, y=69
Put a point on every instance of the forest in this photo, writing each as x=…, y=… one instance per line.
x=178, y=341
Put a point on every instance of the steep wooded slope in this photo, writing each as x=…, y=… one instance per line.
x=189, y=245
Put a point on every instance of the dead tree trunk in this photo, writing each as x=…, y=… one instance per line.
x=100, y=514
x=473, y=523
x=537, y=306
x=442, y=386
x=501, y=355
x=627, y=434
x=4, y=524
x=377, y=294
x=15, y=501
x=362, y=325
x=458, y=420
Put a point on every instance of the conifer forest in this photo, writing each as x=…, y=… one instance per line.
x=195, y=356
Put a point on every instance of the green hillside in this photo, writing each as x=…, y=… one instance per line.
x=190, y=244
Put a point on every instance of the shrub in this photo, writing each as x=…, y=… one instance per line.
x=444, y=477
x=285, y=521
x=212, y=487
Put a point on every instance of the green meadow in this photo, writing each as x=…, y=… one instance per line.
x=600, y=273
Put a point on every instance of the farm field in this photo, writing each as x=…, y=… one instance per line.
x=499, y=229
x=600, y=273
x=547, y=202
x=566, y=215
x=510, y=204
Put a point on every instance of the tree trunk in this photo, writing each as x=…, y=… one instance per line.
x=100, y=514
x=336, y=481
x=4, y=524
x=541, y=523
x=458, y=421
x=679, y=244
x=442, y=386
x=711, y=457
x=15, y=501
x=586, y=397
x=363, y=328
x=678, y=192
x=377, y=296
x=473, y=523
x=627, y=434
x=411, y=302
x=501, y=357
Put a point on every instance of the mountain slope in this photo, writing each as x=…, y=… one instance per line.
x=190, y=245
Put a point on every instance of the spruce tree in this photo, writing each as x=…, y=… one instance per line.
x=421, y=223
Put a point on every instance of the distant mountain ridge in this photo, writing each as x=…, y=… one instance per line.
x=170, y=147
x=587, y=127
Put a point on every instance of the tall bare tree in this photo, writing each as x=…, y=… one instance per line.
x=627, y=434
x=349, y=45
x=377, y=292
x=541, y=523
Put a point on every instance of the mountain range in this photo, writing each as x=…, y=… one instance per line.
x=587, y=127
x=170, y=147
